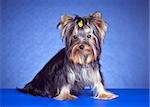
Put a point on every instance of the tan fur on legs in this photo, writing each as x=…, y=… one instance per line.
x=103, y=94
x=107, y=96
x=65, y=94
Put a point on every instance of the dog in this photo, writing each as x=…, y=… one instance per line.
x=76, y=65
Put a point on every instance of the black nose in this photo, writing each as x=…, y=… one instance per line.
x=81, y=46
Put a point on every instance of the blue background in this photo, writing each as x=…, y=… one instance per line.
x=29, y=38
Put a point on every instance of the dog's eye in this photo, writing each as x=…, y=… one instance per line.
x=75, y=37
x=88, y=36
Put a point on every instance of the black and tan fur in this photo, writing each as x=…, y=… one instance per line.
x=76, y=65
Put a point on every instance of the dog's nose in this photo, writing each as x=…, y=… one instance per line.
x=81, y=46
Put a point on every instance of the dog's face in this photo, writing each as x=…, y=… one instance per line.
x=83, y=37
x=83, y=45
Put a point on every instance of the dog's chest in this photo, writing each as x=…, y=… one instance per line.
x=84, y=74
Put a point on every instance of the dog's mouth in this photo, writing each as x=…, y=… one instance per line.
x=83, y=58
x=82, y=54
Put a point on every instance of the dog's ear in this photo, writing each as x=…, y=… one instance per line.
x=96, y=15
x=65, y=21
x=100, y=24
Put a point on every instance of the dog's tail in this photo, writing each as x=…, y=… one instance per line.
x=22, y=90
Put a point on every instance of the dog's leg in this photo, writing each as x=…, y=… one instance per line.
x=65, y=94
x=102, y=93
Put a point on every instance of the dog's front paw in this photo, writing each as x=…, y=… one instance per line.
x=66, y=97
x=107, y=96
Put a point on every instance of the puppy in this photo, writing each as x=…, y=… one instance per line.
x=76, y=65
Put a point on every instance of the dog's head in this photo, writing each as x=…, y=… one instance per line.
x=83, y=37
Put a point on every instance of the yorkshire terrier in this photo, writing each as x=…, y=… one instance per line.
x=76, y=65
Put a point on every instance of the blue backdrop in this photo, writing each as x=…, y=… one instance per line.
x=29, y=39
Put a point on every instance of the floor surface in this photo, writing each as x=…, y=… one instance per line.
x=127, y=98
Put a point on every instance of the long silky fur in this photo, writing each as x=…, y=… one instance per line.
x=60, y=70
